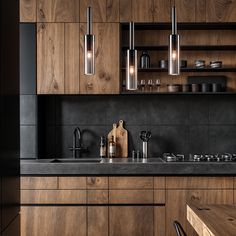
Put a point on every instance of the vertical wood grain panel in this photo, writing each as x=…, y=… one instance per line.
x=126, y=10
x=58, y=11
x=200, y=11
x=159, y=221
x=185, y=10
x=112, y=11
x=106, y=78
x=98, y=10
x=162, y=11
x=27, y=10
x=221, y=10
x=50, y=58
x=52, y=221
x=97, y=221
x=72, y=58
x=143, y=11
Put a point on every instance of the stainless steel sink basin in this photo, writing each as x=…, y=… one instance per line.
x=79, y=160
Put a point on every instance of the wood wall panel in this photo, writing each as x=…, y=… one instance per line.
x=126, y=11
x=27, y=10
x=159, y=196
x=221, y=10
x=97, y=196
x=97, y=182
x=159, y=182
x=72, y=68
x=143, y=11
x=200, y=11
x=58, y=10
x=106, y=79
x=185, y=10
x=38, y=182
x=52, y=221
x=50, y=58
x=103, y=10
x=162, y=11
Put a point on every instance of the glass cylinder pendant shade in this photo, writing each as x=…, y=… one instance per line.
x=174, y=62
x=89, y=64
x=131, y=62
x=174, y=50
x=132, y=70
x=89, y=46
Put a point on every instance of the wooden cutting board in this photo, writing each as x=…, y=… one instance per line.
x=121, y=138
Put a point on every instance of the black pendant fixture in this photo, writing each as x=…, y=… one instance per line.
x=174, y=48
x=89, y=44
x=131, y=62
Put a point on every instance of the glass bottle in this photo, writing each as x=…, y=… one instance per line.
x=144, y=60
x=112, y=148
x=103, y=148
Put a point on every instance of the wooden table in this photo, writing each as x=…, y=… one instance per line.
x=212, y=220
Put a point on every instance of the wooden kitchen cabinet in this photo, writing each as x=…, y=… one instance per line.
x=28, y=10
x=131, y=220
x=57, y=58
x=106, y=78
x=143, y=11
x=97, y=220
x=126, y=10
x=221, y=10
x=53, y=220
x=103, y=10
x=58, y=10
x=209, y=190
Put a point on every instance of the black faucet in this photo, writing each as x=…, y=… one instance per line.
x=77, y=149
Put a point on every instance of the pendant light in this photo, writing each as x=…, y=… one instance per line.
x=131, y=62
x=89, y=43
x=174, y=64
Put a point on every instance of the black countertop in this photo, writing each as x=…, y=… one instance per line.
x=154, y=166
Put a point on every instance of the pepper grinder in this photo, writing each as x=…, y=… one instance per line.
x=145, y=137
x=144, y=60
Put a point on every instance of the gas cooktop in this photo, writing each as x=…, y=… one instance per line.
x=225, y=157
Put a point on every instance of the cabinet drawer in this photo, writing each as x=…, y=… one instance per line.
x=159, y=196
x=72, y=182
x=53, y=221
x=53, y=196
x=97, y=196
x=199, y=183
x=159, y=182
x=97, y=182
x=131, y=196
x=38, y=182
x=131, y=183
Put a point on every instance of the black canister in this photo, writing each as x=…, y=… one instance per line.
x=205, y=87
x=216, y=88
x=145, y=60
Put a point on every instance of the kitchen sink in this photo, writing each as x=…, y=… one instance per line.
x=130, y=160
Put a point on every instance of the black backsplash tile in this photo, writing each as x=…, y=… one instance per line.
x=222, y=110
x=171, y=110
x=183, y=124
x=222, y=139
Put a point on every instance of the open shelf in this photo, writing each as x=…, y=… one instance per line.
x=182, y=26
x=178, y=93
x=185, y=47
x=207, y=69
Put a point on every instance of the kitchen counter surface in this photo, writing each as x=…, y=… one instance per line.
x=154, y=166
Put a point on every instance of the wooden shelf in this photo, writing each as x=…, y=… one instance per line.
x=182, y=26
x=185, y=48
x=178, y=93
x=207, y=69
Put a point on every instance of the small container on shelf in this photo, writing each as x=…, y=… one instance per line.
x=186, y=88
x=216, y=64
x=183, y=64
x=200, y=64
x=163, y=64
x=195, y=88
x=173, y=88
x=144, y=60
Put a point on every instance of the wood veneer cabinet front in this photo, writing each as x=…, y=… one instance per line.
x=207, y=190
x=53, y=220
x=28, y=10
x=106, y=78
x=57, y=58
